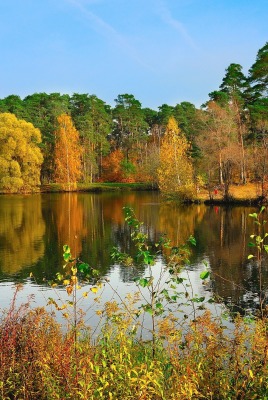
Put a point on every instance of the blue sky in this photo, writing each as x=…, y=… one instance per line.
x=161, y=51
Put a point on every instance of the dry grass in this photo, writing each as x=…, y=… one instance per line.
x=247, y=192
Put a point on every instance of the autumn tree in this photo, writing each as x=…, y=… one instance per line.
x=20, y=155
x=112, y=167
x=221, y=156
x=175, y=173
x=68, y=153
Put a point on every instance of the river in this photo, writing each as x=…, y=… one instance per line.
x=34, y=228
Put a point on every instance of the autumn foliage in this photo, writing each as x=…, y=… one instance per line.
x=67, y=152
x=20, y=155
x=175, y=173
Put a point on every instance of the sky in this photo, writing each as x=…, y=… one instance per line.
x=160, y=51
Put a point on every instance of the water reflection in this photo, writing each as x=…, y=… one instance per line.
x=22, y=231
x=33, y=230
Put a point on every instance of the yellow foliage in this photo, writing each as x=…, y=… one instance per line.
x=68, y=152
x=20, y=156
x=175, y=174
x=23, y=230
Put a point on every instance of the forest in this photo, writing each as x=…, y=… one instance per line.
x=66, y=139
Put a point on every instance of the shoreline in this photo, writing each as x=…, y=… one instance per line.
x=248, y=194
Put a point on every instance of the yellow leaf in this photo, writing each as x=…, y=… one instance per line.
x=94, y=289
x=251, y=374
x=85, y=294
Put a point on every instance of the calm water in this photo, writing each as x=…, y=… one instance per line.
x=34, y=228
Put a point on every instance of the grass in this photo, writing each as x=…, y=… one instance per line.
x=239, y=193
x=38, y=360
x=97, y=187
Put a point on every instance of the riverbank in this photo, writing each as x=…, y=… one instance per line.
x=96, y=187
x=248, y=194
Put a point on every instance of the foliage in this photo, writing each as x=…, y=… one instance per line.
x=223, y=137
x=111, y=167
x=93, y=120
x=68, y=152
x=175, y=173
x=20, y=155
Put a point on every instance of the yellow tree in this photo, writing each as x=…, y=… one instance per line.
x=20, y=155
x=175, y=173
x=68, y=153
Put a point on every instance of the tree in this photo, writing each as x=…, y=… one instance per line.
x=235, y=84
x=20, y=155
x=258, y=92
x=112, y=167
x=92, y=118
x=219, y=145
x=175, y=173
x=42, y=110
x=14, y=105
x=258, y=73
x=68, y=152
x=189, y=120
x=130, y=130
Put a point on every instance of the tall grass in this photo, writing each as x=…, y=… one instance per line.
x=39, y=361
x=197, y=359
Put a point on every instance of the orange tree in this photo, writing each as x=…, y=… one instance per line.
x=68, y=152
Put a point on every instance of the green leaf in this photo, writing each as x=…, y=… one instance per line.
x=143, y=282
x=198, y=299
x=66, y=257
x=250, y=244
x=66, y=249
x=165, y=292
x=192, y=240
x=204, y=275
x=254, y=215
x=83, y=267
x=266, y=248
x=148, y=309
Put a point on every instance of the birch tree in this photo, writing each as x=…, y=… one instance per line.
x=68, y=153
x=175, y=173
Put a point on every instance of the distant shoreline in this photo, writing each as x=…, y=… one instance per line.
x=248, y=194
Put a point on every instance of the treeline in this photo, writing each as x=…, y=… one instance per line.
x=67, y=139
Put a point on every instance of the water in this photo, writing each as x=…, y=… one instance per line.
x=34, y=228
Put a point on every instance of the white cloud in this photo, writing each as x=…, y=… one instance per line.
x=167, y=17
x=107, y=30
